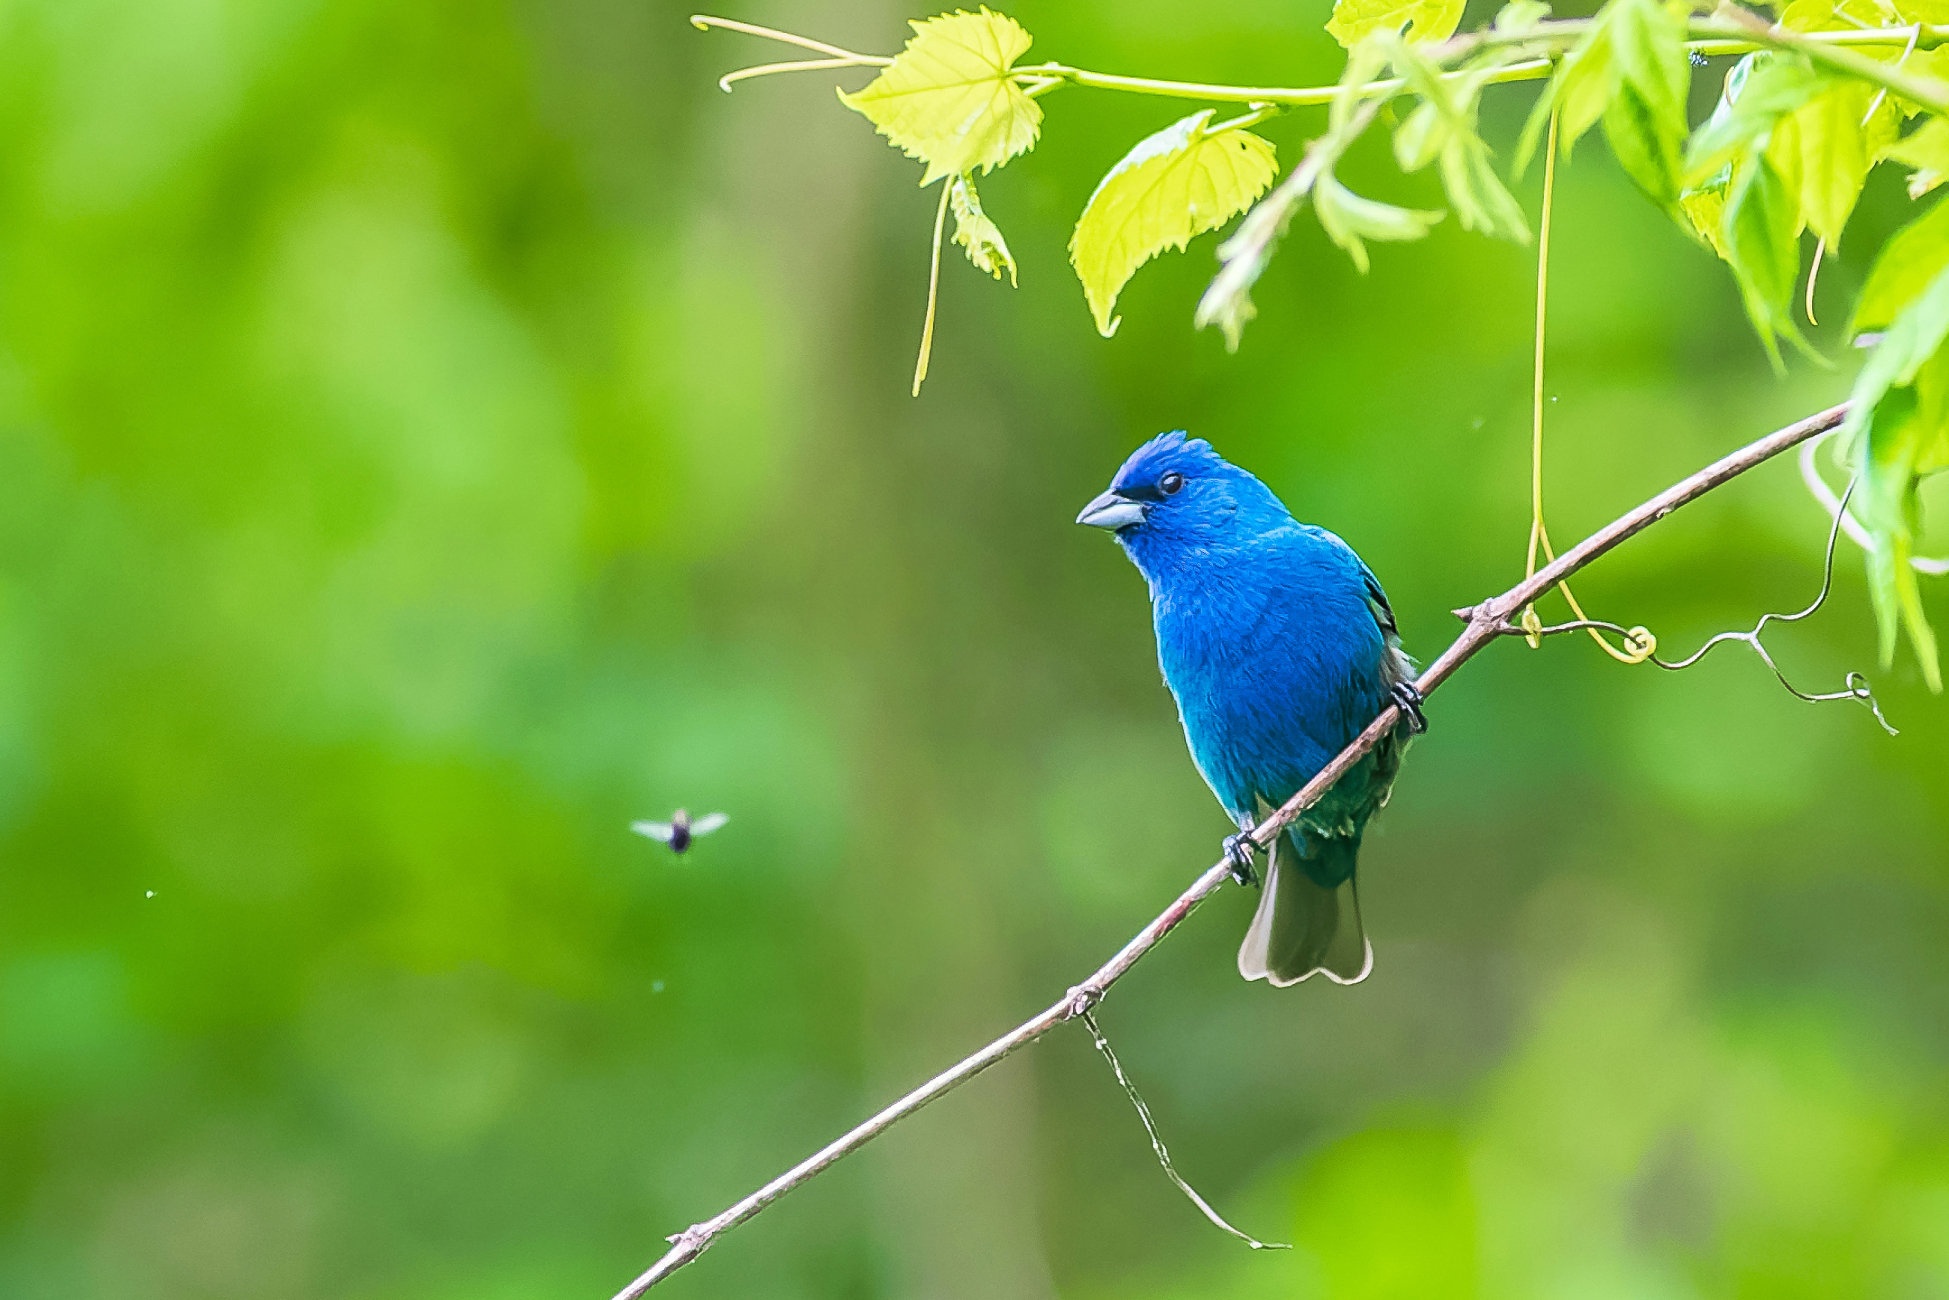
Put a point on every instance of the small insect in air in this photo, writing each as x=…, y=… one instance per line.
x=679, y=831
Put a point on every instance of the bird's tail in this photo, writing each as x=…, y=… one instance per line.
x=1302, y=927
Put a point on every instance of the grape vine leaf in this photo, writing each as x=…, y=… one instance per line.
x=1174, y=185
x=950, y=97
x=976, y=233
x=1419, y=21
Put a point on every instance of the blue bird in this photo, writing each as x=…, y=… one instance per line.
x=1280, y=647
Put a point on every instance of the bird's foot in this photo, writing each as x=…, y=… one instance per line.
x=1238, y=852
x=1407, y=698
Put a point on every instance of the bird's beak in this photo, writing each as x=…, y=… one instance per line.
x=1112, y=511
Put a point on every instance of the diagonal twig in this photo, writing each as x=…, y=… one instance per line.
x=1486, y=622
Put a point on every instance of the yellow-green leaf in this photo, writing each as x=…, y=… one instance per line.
x=1520, y=17
x=949, y=98
x=1173, y=186
x=1807, y=15
x=1645, y=118
x=1897, y=418
x=1350, y=219
x=1419, y=139
x=973, y=230
x=1761, y=90
x=1927, y=151
x=1908, y=263
x=1578, y=94
x=1481, y=201
x=1836, y=151
x=1704, y=206
x=1759, y=235
x=1419, y=20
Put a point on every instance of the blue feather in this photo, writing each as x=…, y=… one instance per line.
x=1279, y=646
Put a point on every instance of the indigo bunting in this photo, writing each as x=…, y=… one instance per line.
x=1278, y=643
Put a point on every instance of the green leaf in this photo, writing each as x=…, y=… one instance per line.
x=1704, y=207
x=1927, y=151
x=1759, y=236
x=949, y=98
x=1348, y=219
x=1173, y=186
x=1520, y=16
x=1836, y=150
x=1909, y=262
x=973, y=230
x=1419, y=139
x=1911, y=340
x=1579, y=92
x=1588, y=80
x=1760, y=91
x=1898, y=421
x=1419, y=21
x=1807, y=15
x=1645, y=118
x=1481, y=201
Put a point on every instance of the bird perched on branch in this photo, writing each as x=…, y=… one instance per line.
x=1280, y=647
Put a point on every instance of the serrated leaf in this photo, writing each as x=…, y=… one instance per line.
x=1927, y=152
x=1174, y=186
x=1908, y=263
x=1349, y=219
x=1645, y=118
x=973, y=230
x=948, y=98
x=1759, y=236
x=1480, y=199
x=1420, y=21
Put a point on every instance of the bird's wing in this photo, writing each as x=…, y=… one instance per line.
x=707, y=823
x=662, y=832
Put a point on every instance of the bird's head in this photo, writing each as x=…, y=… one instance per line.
x=1176, y=492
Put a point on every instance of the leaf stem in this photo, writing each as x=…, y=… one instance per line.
x=705, y=22
x=933, y=287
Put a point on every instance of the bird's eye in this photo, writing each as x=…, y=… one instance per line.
x=1171, y=483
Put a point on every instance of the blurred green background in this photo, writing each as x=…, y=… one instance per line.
x=433, y=435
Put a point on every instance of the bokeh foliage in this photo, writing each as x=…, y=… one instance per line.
x=433, y=435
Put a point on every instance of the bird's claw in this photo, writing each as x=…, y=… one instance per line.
x=1238, y=852
x=1407, y=698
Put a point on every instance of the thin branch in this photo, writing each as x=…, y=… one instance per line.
x=1486, y=623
